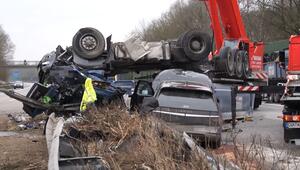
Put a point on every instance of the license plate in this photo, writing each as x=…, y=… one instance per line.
x=292, y=125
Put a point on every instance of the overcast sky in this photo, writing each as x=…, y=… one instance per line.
x=36, y=27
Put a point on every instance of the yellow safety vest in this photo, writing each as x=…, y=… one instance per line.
x=89, y=95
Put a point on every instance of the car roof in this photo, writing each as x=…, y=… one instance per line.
x=179, y=75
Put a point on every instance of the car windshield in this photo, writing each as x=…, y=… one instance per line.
x=187, y=99
x=123, y=83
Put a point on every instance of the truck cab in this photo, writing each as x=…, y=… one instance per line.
x=291, y=97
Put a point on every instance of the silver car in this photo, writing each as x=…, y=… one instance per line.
x=186, y=101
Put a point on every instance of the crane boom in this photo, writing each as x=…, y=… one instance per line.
x=231, y=21
x=231, y=40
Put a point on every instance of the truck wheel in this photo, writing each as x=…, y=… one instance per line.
x=239, y=64
x=88, y=43
x=231, y=62
x=246, y=69
x=225, y=62
x=196, y=45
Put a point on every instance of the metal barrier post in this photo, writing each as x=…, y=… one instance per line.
x=233, y=105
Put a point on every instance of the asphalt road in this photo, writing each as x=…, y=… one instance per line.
x=265, y=124
x=9, y=105
x=265, y=130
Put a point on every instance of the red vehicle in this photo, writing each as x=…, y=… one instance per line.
x=291, y=98
x=235, y=54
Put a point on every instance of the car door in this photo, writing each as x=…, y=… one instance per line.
x=142, y=99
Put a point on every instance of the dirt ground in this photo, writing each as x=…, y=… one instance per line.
x=21, y=149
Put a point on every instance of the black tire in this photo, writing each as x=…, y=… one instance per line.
x=239, y=64
x=88, y=43
x=224, y=61
x=246, y=67
x=196, y=45
x=231, y=62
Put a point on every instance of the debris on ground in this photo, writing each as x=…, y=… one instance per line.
x=23, y=121
x=133, y=142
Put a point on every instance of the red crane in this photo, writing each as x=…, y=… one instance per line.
x=236, y=54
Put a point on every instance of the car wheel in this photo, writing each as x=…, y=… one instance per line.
x=88, y=43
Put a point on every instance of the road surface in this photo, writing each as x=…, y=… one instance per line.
x=266, y=131
x=11, y=106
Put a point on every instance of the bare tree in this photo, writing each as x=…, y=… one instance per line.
x=181, y=17
x=282, y=15
x=7, y=49
x=265, y=20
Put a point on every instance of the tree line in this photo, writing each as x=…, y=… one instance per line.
x=6, y=52
x=265, y=20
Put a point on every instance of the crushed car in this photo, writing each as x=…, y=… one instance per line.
x=186, y=100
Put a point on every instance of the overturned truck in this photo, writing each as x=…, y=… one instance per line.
x=72, y=78
x=63, y=72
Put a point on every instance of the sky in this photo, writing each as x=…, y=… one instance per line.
x=37, y=27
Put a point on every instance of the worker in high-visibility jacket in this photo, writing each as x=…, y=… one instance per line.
x=89, y=95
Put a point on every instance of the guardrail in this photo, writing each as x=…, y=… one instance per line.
x=23, y=63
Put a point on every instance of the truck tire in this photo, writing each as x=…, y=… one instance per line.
x=239, y=66
x=246, y=67
x=231, y=62
x=196, y=45
x=88, y=43
x=224, y=61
